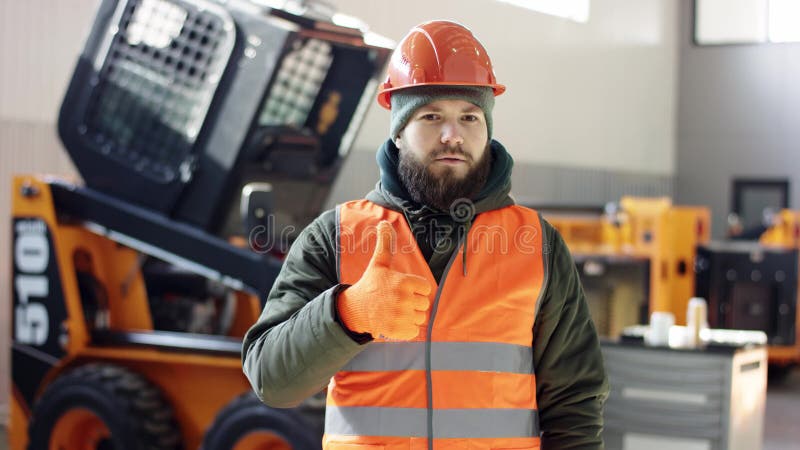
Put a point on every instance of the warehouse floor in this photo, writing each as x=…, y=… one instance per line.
x=783, y=406
x=780, y=425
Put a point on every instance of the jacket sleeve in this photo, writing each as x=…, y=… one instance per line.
x=571, y=380
x=297, y=345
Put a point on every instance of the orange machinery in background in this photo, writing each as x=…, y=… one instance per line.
x=194, y=125
x=649, y=232
x=784, y=232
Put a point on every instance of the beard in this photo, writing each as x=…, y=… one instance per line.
x=440, y=191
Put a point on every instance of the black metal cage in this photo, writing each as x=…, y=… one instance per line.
x=175, y=105
x=749, y=287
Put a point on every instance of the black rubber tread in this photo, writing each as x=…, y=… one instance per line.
x=132, y=408
x=247, y=413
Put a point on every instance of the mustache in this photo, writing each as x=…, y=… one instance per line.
x=449, y=151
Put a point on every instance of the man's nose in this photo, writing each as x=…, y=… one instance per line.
x=452, y=134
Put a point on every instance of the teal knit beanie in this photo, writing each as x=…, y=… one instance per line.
x=406, y=101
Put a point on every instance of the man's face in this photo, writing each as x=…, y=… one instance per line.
x=444, y=152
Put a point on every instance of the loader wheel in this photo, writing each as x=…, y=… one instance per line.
x=248, y=424
x=102, y=407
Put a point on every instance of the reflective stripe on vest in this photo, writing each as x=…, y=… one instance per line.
x=479, y=356
x=468, y=377
x=448, y=423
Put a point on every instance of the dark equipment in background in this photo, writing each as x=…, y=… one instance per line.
x=749, y=287
x=176, y=105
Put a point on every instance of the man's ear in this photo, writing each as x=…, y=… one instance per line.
x=398, y=140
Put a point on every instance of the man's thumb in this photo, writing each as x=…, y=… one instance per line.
x=384, y=248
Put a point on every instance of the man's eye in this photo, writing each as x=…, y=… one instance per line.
x=430, y=117
x=470, y=118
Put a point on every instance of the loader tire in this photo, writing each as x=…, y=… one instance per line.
x=102, y=407
x=247, y=424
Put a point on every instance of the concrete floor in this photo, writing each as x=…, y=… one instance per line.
x=781, y=431
x=783, y=409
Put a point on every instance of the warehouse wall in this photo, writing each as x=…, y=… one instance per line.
x=737, y=117
x=589, y=112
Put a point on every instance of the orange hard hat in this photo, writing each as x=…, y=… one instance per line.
x=439, y=52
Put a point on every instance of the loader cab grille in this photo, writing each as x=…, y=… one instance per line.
x=156, y=84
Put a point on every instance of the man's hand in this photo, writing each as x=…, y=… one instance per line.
x=385, y=302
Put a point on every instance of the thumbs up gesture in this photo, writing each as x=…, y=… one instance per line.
x=385, y=302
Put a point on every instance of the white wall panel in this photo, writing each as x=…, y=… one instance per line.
x=598, y=95
x=39, y=43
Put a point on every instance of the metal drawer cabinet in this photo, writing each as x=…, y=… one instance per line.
x=663, y=398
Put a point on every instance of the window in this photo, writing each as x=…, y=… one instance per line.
x=784, y=16
x=577, y=10
x=754, y=200
x=746, y=21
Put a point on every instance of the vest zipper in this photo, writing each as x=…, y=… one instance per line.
x=434, y=308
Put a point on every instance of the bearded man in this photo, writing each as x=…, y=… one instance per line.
x=439, y=314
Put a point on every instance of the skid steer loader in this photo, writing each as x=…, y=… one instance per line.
x=207, y=135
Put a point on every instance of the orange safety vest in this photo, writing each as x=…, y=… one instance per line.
x=467, y=380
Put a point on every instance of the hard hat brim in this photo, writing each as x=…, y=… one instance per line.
x=385, y=95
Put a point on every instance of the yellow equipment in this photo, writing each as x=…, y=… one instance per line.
x=671, y=240
x=651, y=231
